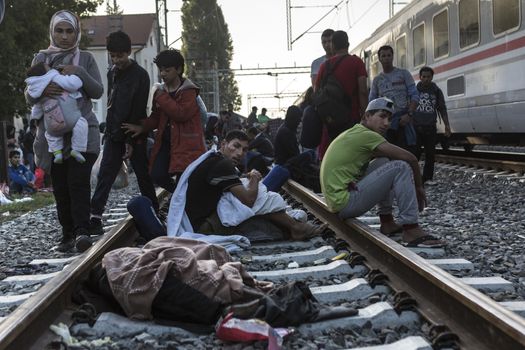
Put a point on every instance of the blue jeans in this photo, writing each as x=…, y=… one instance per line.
x=276, y=178
x=402, y=136
x=148, y=224
x=383, y=181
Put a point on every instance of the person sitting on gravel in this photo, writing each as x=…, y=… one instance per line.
x=21, y=179
x=200, y=189
x=353, y=183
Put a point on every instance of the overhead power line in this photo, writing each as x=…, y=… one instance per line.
x=289, y=20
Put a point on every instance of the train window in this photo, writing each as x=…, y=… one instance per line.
x=456, y=86
x=505, y=15
x=418, y=36
x=468, y=23
x=401, y=52
x=440, y=30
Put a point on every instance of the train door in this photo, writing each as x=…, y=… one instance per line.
x=366, y=56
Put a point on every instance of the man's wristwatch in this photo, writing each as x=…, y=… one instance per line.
x=410, y=113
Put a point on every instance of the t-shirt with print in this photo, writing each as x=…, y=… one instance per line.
x=206, y=184
x=398, y=85
x=346, y=161
x=428, y=105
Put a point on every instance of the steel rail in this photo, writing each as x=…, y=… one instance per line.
x=502, y=161
x=480, y=322
x=27, y=327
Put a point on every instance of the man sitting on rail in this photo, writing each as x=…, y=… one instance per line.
x=200, y=189
x=353, y=183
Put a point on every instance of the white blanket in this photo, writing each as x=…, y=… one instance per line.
x=37, y=84
x=233, y=212
x=179, y=225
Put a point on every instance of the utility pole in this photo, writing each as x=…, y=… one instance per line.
x=161, y=11
x=391, y=4
x=289, y=37
x=4, y=157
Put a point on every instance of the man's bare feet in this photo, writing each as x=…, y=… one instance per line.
x=417, y=237
x=305, y=230
x=390, y=228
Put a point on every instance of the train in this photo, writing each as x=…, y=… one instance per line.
x=477, y=50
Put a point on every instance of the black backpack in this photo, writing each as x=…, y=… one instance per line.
x=312, y=129
x=331, y=103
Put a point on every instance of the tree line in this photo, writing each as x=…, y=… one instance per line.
x=25, y=30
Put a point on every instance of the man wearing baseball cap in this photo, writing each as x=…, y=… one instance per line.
x=361, y=169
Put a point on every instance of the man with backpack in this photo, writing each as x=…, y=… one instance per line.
x=431, y=103
x=340, y=96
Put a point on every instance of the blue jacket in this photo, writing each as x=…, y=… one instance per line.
x=20, y=175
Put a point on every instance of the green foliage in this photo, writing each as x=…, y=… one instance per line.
x=207, y=45
x=11, y=211
x=24, y=31
x=113, y=10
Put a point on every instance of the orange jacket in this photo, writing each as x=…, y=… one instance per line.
x=186, y=134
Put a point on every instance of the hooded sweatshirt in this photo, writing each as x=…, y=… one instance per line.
x=286, y=145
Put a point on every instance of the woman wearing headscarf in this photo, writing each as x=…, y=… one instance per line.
x=71, y=179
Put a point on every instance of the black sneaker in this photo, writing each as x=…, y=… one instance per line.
x=95, y=227
x=83, y=243
x=66, y=243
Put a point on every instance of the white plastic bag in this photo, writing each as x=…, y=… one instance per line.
x=121, y=181
x=4, y=199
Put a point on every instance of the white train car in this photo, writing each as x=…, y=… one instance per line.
x=477, y=50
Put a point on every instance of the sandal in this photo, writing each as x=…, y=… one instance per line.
x=396, y=230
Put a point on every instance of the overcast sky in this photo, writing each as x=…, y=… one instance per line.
x=259, y=32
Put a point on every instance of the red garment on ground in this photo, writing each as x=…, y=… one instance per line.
x=39, y=178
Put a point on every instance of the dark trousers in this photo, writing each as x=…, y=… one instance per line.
x=109, y=168
x=16, y=188
x=72, y=188
x=30, y=158
x=160, y=169
x=426, y=138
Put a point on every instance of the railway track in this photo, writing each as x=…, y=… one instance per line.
x=501, y=163
x=399, y=294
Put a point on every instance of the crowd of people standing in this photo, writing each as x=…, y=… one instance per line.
x=68, y=148
x=332, y=161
